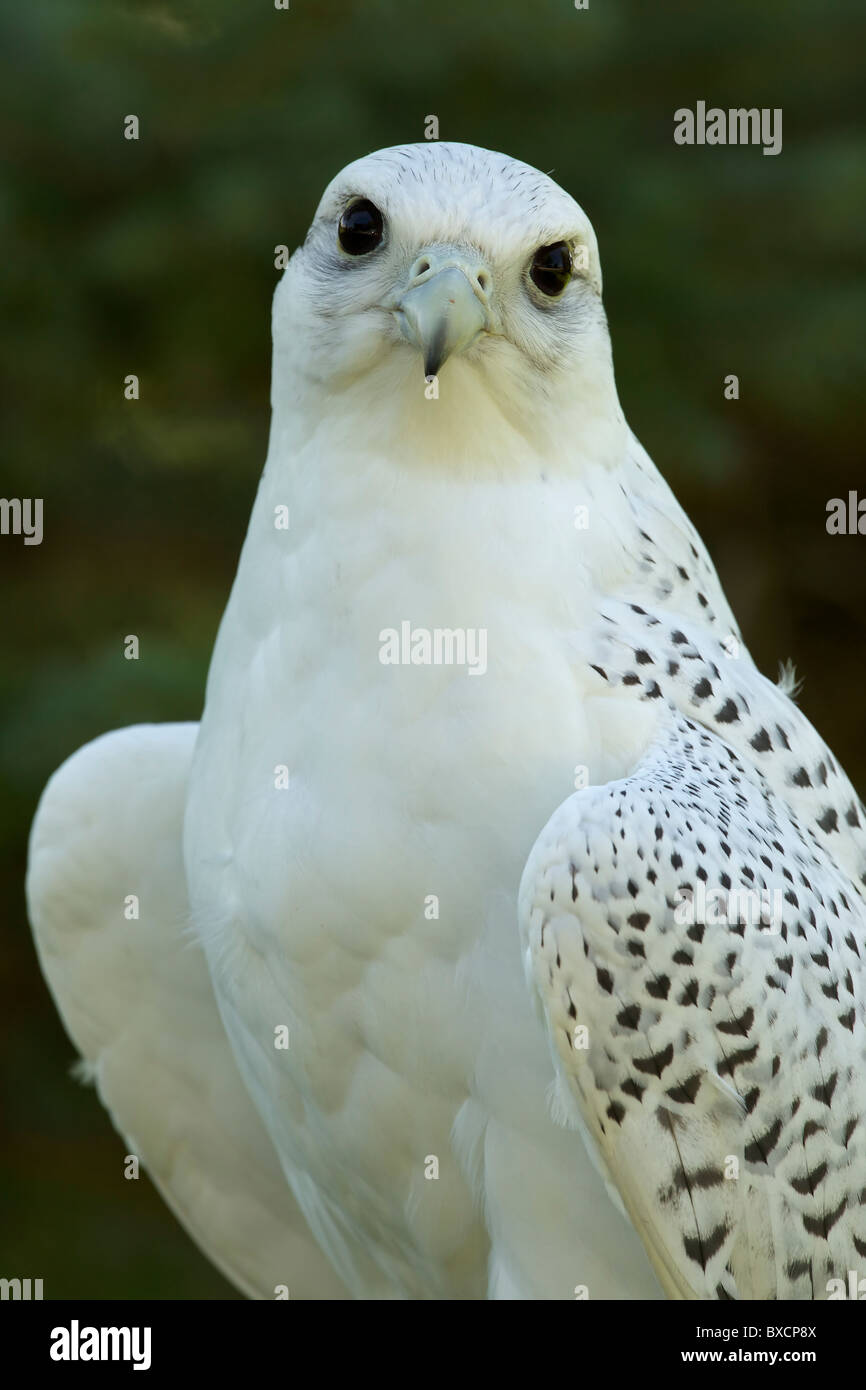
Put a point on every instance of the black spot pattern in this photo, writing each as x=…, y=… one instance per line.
x=743, y=1038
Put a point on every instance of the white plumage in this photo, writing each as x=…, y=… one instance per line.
x=674, y=1106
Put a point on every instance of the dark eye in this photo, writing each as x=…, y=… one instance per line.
x=360, y=228
x=551, y=268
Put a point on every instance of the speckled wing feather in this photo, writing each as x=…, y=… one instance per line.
x=696, y=934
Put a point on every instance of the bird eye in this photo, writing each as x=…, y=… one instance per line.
x=361, y=228
x=551, y=268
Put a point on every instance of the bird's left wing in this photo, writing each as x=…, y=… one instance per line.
x=137, y=1000
x=715, y=1063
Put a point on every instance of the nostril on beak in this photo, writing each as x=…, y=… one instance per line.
x=420, y=269
x=482, y=280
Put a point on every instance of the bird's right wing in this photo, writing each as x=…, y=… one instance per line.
x=714, y=1062
x=107, y=898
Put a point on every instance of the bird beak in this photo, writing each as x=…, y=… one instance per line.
x=445, y=305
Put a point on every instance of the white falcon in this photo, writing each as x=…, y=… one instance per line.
x=478, y=715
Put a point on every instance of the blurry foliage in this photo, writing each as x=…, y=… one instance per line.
x=156, y=258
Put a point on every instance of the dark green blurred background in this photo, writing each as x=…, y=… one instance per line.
x=156, y=258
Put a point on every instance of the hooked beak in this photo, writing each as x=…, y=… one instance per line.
x=445, y=306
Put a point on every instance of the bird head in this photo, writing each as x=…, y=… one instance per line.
x=446, y=260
